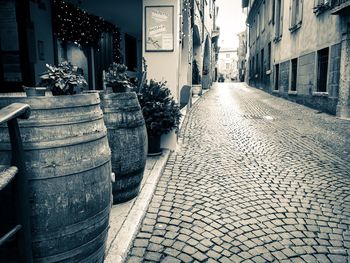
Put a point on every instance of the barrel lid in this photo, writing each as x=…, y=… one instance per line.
x=54, y=102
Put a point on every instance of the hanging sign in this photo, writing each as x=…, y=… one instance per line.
x=159, y=28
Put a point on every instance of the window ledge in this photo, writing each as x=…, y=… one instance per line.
x=292, y=92
x=295, y=27
x=320, y=94
x=268, y=72
x=277, y=39
x=275, y=91
x=321, y=8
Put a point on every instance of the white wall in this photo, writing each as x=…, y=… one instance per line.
x=164, y=65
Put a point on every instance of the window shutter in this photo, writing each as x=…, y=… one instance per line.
x=291, y=13
x=300, y=18
x=273, y=12
x=281, y=19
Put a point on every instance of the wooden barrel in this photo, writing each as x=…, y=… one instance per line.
x=127, y=138
x=68, y=161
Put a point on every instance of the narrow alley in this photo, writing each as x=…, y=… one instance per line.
x=255, y=178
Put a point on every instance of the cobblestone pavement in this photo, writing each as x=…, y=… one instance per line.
x=255, y=179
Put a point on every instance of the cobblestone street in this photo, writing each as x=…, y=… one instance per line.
x=255, y=178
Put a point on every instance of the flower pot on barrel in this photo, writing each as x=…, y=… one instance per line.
x=127, y=134
x=34, y=91
x=68, y=163
x=160, y=111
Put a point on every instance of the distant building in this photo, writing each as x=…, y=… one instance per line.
x=227, y=63
x=242, y=53
x=300, y=50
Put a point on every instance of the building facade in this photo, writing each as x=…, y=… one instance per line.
x=227, y=63
x=205, y=39
x=299, y=50
x=242, y=54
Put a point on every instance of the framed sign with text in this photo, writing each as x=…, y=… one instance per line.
x=159, y=28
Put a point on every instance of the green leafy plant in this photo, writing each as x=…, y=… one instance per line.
x=65, y=79
x=160, y=111
x=117, y=78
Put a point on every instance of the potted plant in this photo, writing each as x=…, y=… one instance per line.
x=69, y=163
x=127, y=133
x=160, y=111
x=196, y=80
x=117, y=79
x=65, y=79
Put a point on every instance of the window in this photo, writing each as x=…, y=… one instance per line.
x=278, y=19
x=322, y=69
x=269, y=56
x=262, y=63
x=277, y=77
x=253, y=69
x=258, y=26
x=262, y=17
x=273, y=11
x=227, y=65
x=227, y=55
x=293, y=82
x=296, y=14
x=250, y=68
x=268, y=11
x=130, y=52
x=210, y=8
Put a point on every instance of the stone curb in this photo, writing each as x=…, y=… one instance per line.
x=126, y=218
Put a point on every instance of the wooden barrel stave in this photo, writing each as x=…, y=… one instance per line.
x=68, y=160
x=127, y=138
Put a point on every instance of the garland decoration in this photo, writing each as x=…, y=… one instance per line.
x=72, y=24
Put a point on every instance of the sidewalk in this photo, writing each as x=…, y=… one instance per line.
x=126, y=218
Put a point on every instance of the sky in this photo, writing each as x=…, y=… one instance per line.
x=231, y=21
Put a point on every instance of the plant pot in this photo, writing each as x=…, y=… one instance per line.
x=154, y=145
x=35, y=91
x=196, y=90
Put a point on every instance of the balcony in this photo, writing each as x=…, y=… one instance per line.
x=340, y=7
x=215, y=33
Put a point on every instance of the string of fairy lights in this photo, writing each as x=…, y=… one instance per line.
x=72, y=24
x=186, y=12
